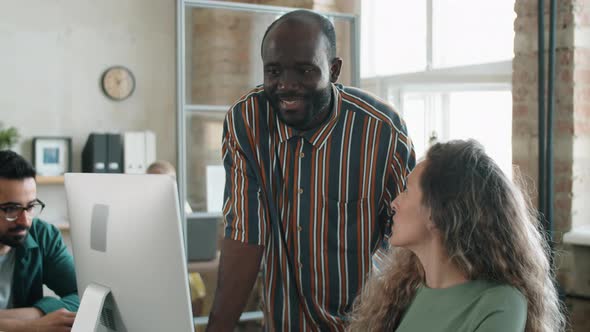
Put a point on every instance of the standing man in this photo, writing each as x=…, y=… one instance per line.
x=311, y=167
x=32, y=253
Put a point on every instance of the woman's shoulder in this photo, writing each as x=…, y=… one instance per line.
x=500, y=307
x=502, y=295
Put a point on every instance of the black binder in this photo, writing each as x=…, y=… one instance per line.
x=114, y=153
x=94, y=154
x=103, y=153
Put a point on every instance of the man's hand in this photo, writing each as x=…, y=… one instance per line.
x=238, y=269
x=57, y=321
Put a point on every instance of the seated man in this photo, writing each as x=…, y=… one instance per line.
x=32, y=253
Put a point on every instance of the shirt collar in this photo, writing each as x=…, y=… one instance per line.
x=316, y=136
x=29, y=242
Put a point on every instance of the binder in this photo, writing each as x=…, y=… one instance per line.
x=94, y=154
x=103, y=153
x=139, y=151
x=114, y=153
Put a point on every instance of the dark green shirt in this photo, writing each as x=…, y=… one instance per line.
x=44, y=259
x=475, y=306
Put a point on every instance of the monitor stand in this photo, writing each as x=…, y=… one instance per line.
x=91, y=308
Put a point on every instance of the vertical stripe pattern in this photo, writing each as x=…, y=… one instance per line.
x=318, y=201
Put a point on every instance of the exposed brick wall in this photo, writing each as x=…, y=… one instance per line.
x=571, y=117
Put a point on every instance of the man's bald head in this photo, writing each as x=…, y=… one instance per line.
x=303, y=16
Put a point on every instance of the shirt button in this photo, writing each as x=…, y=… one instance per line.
x=299, y=228
x=300, y=265
x=301, y=155
x=300, y=190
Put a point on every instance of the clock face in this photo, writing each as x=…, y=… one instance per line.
x=118, y=83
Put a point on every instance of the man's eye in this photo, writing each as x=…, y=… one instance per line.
x=272, y=71
x=11, y=209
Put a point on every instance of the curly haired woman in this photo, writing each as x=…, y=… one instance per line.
x=469, y=254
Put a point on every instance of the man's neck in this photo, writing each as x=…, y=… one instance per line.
x=4, y=249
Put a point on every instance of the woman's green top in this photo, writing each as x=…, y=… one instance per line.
x=473, y=306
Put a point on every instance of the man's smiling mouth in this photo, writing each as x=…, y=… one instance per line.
x=291, y=102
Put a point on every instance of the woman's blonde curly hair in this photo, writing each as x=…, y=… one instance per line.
x=489, y=231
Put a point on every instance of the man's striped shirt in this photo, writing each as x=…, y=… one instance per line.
x=318, y=201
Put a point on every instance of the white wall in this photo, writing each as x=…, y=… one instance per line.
x=52, y=55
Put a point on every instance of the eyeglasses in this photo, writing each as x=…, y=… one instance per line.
x=13, y=211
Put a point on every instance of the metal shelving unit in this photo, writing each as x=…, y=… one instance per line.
x=185, y=106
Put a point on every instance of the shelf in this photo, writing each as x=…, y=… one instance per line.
x=50, y=179
x=63, y=226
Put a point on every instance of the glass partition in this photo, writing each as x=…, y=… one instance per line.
x=220, y=48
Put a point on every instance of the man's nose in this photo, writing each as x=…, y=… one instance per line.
x=23, y=219
x=288, y=80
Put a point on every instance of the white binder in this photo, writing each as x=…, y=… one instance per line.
x=139, y=151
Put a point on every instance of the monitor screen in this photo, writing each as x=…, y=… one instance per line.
x=128, y=252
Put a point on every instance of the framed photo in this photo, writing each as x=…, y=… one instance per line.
x=52, y=156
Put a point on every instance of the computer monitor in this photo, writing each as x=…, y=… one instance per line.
x=129, y=253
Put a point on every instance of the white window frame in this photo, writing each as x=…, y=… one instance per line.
x=491, y=76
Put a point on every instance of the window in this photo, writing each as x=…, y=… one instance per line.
x=385, y=52
x=469, y=32
x=446, y=65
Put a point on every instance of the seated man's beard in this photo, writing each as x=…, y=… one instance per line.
x=11, y=239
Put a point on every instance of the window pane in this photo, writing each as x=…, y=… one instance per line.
x=487, y=27
x=204, y=165
x=415, y=116
x=487, y=117
x=393, y=37
x=222, y=54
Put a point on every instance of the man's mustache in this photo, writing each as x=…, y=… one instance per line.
x=18, y=228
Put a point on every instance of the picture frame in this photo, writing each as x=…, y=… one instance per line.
x=52, y=156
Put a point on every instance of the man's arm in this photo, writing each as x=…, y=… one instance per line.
x=245, y=225
x=57, y=321
x=401, y=161
x=238, y=268
x=21, y=313
x=58, y=273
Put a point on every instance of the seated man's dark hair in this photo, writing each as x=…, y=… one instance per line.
x=15, y=167
x=303, y=15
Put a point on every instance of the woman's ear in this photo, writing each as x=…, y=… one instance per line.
x=430, y=225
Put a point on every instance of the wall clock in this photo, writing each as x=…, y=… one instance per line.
x=118, y=83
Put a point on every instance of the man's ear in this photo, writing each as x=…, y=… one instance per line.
x=335, y=68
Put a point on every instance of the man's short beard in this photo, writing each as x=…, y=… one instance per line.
x=319, y=105
x=13, y=241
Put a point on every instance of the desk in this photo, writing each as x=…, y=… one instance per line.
x=204, y=266
x=246, y=316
